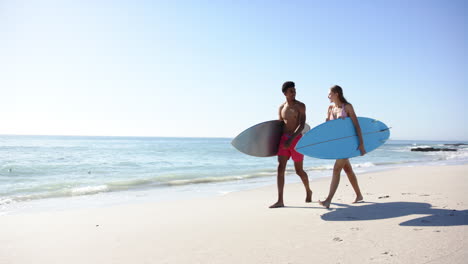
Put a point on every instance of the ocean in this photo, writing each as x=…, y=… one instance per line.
x=39, y=173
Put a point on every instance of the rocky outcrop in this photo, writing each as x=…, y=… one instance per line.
x=432, y=149
x=456, y=145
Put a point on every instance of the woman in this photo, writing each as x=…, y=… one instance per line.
x=342, y=109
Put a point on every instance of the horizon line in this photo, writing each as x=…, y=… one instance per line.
x=214, y=137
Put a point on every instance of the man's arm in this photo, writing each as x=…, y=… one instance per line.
x=279, y=112
x=301, y=117
x=301, y=120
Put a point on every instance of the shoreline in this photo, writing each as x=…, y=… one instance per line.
x=183, y=192
x=82, y=173
x=170, y=193
x=410, y=215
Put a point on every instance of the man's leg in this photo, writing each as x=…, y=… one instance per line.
x=298, y=165
x=282, y=161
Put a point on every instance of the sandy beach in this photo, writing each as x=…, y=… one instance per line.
x=410, y=215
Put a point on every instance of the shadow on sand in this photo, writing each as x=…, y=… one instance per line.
x=376, y=211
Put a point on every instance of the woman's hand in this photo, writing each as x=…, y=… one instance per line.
x=362, y=149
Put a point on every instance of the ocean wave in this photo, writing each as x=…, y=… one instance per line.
x=330, y=167
x=203, y=180
x=320, y=168
x=67, y=192
x=423, y=146
x=220, y=179
x=5, y=201
x=61, y=191
x=459, y=155
x=89, y=190
x=124, y=185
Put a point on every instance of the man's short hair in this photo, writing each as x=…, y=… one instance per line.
x=288, y=85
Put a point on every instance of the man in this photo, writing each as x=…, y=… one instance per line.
x=293, y=114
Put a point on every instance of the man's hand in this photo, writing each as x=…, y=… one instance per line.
x=287, y=143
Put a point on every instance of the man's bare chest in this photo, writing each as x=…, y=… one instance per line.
x=289, y=112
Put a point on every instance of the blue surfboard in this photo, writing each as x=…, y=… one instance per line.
x=337, y=139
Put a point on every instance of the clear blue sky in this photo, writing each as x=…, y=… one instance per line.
x=212, y=69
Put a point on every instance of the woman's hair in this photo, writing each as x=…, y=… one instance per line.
x=337, y=89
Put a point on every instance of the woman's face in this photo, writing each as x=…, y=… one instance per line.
x=332, y=96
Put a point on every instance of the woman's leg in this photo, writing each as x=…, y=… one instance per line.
x=353, y=180
x=335, y=182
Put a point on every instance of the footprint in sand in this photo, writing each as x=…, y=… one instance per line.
x=337, y=239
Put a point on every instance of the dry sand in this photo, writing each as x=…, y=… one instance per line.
x=410, y=215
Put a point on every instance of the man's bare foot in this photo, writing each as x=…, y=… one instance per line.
x=309, y=197
x=277, y=205
x=325, y=204
x=358, y=199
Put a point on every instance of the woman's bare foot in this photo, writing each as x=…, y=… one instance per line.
x=358, y=199
x=325, y=203
x=277, y=205
x=309, y=197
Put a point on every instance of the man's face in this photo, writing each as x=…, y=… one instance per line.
x=290, y=93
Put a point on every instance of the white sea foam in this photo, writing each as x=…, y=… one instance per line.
x=218, y=179
x=424, y=146
x=89, y=190
x=364, y=165
x=462, y=154
x=4, y=201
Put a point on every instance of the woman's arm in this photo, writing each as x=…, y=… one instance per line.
x=350, y=111
x=328, y=113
